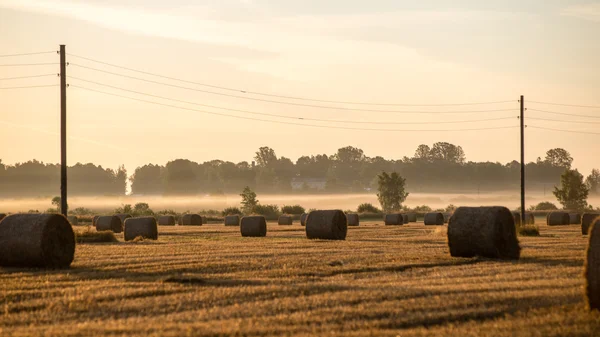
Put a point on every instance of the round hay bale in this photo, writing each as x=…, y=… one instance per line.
x=558, y=219
x=353, y=219
x=253, y=226
x=303, y=219
x=412, y=217
x=285, y=220
x=586, y=221
x=592, y=267
x=109, y=223
x=232, y=220
x=483, y=231
x=123, y=216
x=574, y=218
x=191, y=220
x=405, y=218
x=166, y=220
x=434, y=219
x=145, y=227
x=36, y=240
x=73, y=220
x=395, y=219
x=517, y=218
x=94, y=219
x=327, y=225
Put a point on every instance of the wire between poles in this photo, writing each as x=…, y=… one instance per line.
x=568, y=105
x=562, y=130
x=563, y=113
x=27, y=54
x=32, y=76
x=30, y=87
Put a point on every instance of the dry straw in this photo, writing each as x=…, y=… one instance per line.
x=395, y=219
x=36, y=240
x=558, y=219
x=285, y=220
x=483, y=231
x=253, y=226
x=434, y=219
x=232, y=220
x=191, y=220
x=109, y=223
x=303, y=219
x=166, y=220
x=145, y=227
x=353, y=219
x=327, y=225
x=586, y=221
x=592, y=267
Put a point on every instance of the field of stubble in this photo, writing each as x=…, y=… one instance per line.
x=381, y=281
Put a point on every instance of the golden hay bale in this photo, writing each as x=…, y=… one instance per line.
x=412, y=217
x=232, y=220
x=94, y=219
x=303, y=219
x=586, y=221
x=285, y=220
x=353, y=219
x=166, y=220
x=395, y=219
x=73, y=220
x=592, y=267
x=255, y=226
x=557, y=219
x=145, y=227
x=109, y=223
x=191, y=220
x=483, y=231
x=434, y=219
x=327, y=225
x=36, y=240
x=123, y=216
x=574, y=218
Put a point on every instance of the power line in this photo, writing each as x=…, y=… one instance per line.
x=290, y=103
x=562, y=120
x=283, y=116
x=288, y=123
x=28, y=64
x=27, y=54
x=563, y=113
x=22, y=77
x=273, y=95
x=569, y=105
x=562, y=130
x=29, y=87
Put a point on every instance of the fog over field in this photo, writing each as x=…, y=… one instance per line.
x=318, y=201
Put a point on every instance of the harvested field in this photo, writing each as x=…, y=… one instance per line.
x=381, y=281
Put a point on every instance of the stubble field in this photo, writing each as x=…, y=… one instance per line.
x=381, y=281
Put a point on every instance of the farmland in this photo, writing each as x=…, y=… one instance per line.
x=381, y=281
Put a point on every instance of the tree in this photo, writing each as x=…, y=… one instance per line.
x=573, y=192
x=447, y=152
x=249, y=201
x=56, y=203
x=593, y=181
x=423, y=152
x=545, y=206
x=265, y=157
x=559, y=158
x=391, y=191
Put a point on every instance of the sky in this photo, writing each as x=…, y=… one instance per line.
x=404, y=57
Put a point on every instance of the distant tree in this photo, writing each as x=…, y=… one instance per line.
x=593, y=181
x=545, y=206
x=391, y=191
x=450, y=208
x=231, y=211
x=447, y=152
x=367, y=208
x=422, y=209
x=142, y=209
x=269, y=211
x=559, y=158
x=265, y=157
x=573, y=192
x=249, y=201
x=423, y=152
x=124, y=209
x=295, y=209
x=56, y=202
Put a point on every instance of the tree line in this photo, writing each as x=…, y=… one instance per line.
x=442, y=167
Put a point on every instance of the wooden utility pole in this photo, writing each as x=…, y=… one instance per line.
x=63, y=131
x=522, y=118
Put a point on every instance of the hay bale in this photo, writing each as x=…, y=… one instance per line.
x=123, y=217
x=412, y=217
x=73, y=220
x=517, y=218
x=285, y=220
x=574, y=218
x=327, y=225
x=592, y=267
x=483, y=231
x=303, y=219
x=353, y=219
x=191, y=220
x=36, y=240
x=405, y=218
x=166, y=220
x=557, y=219
x=94, y=219
x=232, y=220
x=253, y=226
x=434, y=219
x=109, y=223
x=145, y=227
x=586, y=221
x=395, y=219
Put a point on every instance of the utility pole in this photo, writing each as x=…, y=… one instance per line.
x=63, y=131
x=522, y=118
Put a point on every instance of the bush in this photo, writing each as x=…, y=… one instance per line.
x=81, y=211
x=231, y=211
x=268, y=211
x=422, y=209
x=367, y=208
x=545, y=206
x=528, y=230
x=296, y=209
x=167, y=212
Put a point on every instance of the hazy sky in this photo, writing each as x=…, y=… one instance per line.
x=405, y=52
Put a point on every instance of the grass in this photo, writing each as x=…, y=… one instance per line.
x=90, y=235
x=528, y=230
x=381, y=281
